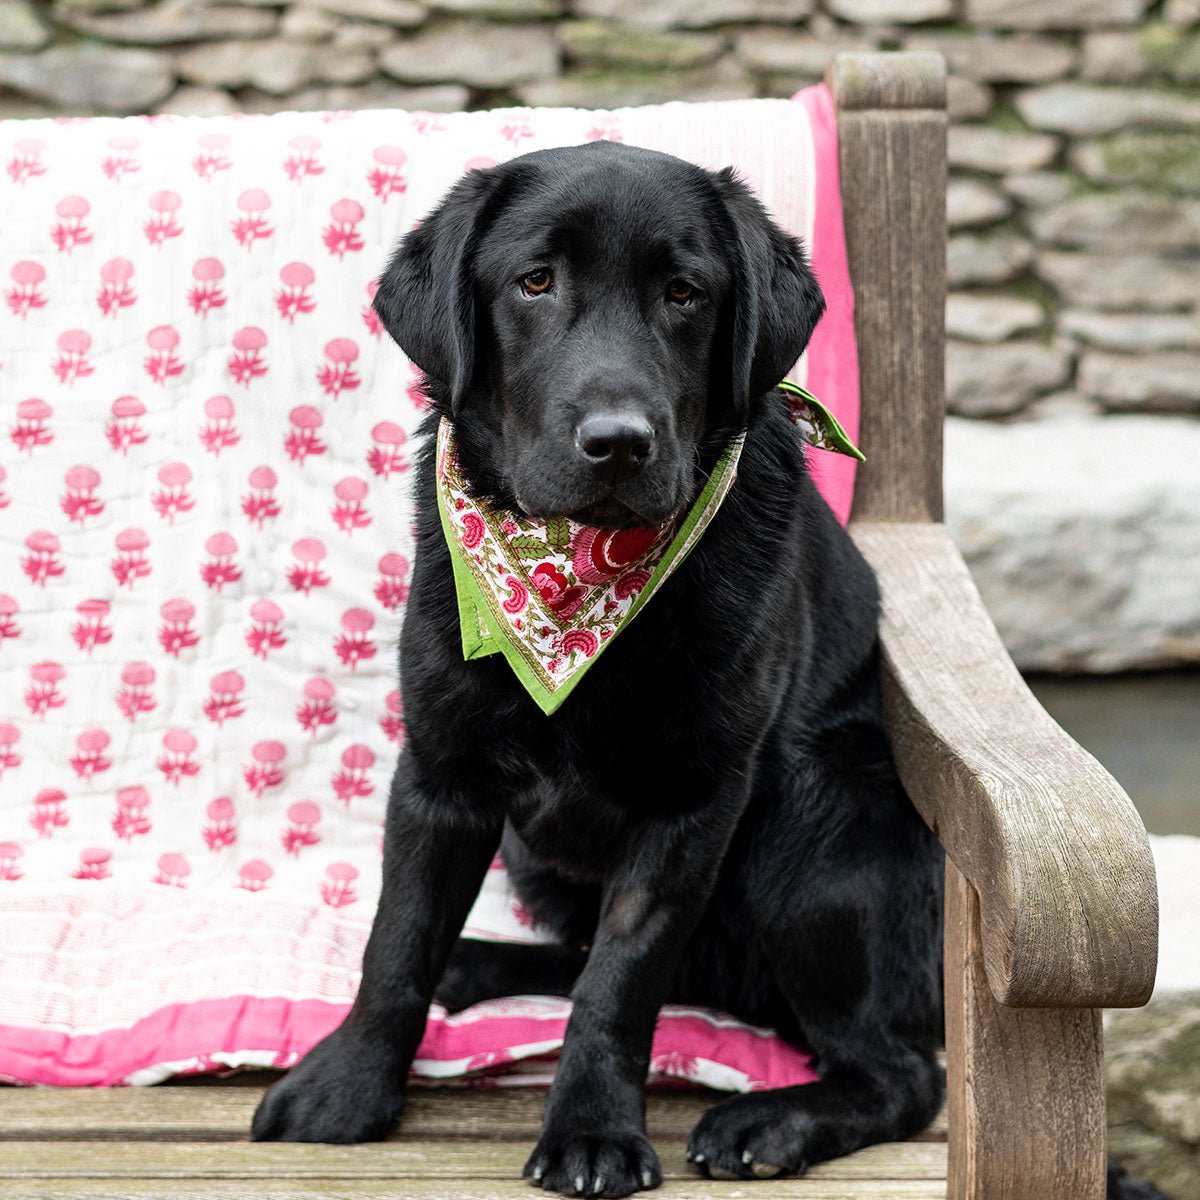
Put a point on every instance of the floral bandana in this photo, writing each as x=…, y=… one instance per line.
x=548, y=593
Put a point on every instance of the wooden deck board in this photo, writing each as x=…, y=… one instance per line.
x=184, y=1142
x=406, y=1159
x=427, y=1189
x=223, y=1112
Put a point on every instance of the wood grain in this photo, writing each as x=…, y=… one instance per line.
x=892, y=154
x=1053, y=846
x=1025, y=1086
x=404, y=1159
x=888, y=80
x=221, y=1111
x=429, y=1189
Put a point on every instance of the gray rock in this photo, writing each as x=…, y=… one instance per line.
x=95, y=6
x=90, y=78
x=890, y=12
x=970, y=202
x=1118, y=280
x=1153, y=52
x=593, y=43
x=693, y=14
x=967, y=100
x=986, y=258
x=377, y=94
x=1018, y=59
x=273, y=65
x=1061, y=14
x=1081, y=534
x=19, y=27
x=302, y=23
x=478, y=55
x=1182, y=12
x=1080, y=110
x=1062, y=404
x=791, y=52
x=1130, y=219
x=402, y=14
x=1152, y=1077
x=1038, y=189
x=1164, y=381
x=1157, y=160
x=990, y=317
x=499, y=10
x=981, y=148
x=993, y=381
x=1134, y=333
x=175, y=21
x=362, y=35
x=615, y=87
x=198, y=102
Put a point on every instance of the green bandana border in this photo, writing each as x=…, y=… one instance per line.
x=476, y=604
x=835, y=437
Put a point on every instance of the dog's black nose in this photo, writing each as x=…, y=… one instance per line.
x=621, y=440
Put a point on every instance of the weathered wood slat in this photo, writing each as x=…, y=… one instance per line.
x=220, y=1112
x=431, y=1189
x=1006, y=1061
x=402, y=1160
x=892, y=153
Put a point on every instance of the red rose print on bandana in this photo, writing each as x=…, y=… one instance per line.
x=602, y=553
x=561, y=597
x=472, y=533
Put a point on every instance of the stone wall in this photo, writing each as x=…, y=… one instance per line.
x=1074, y=203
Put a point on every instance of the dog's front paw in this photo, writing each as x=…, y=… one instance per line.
x=595, y=1163
x=755, y=1136
x=346, y=1089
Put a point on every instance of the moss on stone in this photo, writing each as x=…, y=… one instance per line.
x=615, y=86
x=1030, y=287
x=1170, y=51
x=1159, y=160
x=1006, y=119
x=1160, y=45
x=596, y=44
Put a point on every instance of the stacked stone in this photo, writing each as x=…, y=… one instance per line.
x=1074, y=205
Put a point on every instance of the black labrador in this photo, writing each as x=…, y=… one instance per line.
x=713, y=817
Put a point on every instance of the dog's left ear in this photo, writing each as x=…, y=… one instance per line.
x=775, y=300
x=426, y=297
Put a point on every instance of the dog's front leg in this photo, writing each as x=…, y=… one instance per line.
x=350, y=1087
x=594, y=1134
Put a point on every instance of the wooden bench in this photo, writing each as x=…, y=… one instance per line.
x=1051, y=910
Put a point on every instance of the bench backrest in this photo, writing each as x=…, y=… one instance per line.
x=892, y=146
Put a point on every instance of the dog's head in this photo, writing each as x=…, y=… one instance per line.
x=597, y=320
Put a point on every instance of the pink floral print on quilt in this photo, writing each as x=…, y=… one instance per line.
x=205, y=442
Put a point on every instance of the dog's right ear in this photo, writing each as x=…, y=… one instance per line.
x=426, y=297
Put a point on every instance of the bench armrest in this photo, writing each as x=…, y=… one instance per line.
x=1052, y=845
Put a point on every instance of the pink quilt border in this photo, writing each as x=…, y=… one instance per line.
x=273, y=1031
x=833, y=351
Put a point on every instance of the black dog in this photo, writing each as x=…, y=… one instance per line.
x=713, y=817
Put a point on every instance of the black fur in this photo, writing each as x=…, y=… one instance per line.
x=713, y=815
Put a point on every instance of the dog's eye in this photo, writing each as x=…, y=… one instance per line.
x=537, y=283
x=680, y=292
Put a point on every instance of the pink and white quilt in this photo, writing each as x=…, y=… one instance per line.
x=205, y=442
